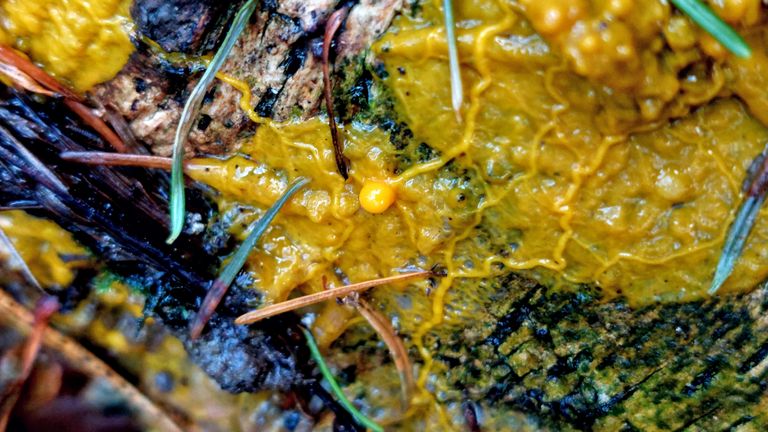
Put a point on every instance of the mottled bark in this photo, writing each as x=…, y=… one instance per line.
x=277, y=56
x=570, y=361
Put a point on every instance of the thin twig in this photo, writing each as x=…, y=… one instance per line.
x=333, y=293
x=83, y=360
x=222, y=283
x=331, y=27
x=335, y=388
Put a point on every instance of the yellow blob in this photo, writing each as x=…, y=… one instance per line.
x=41, y=243
x=376, y=197
x=80, y=42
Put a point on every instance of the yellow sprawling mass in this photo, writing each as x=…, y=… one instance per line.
x=81, y=42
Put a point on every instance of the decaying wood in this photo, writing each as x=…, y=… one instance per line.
x=82, y=359
x=533, y=358
x=570, y=361
x=117, y=214
x=278, y=56
x=122, y=220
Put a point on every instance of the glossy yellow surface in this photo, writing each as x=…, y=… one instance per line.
x=43, y=245
x=376, y=197
x=555, y=169
x=81, y=42
x=323, y=227
x=579, y=159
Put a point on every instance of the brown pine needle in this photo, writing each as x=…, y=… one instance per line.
x=11, y=58
x=387, y=333
x=83, y=360
x=396, y=347
x=22, y=80
x=331, y=27
x=211, y=301
x=45, y=308
x=117, y=159
x=97, y=124
x=300, y=302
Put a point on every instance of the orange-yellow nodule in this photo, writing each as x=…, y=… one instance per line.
x=376, y=196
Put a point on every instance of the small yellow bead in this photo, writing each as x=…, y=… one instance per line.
x=376, y=197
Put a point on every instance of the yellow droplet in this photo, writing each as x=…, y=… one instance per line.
x=376, y=196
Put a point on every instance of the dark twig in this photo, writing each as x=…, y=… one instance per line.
x=331, y=27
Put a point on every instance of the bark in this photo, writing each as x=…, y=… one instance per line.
x=120, y=216
x=570, y=361
x=278, y=56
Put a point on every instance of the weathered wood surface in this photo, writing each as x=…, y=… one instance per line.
x=570, y=361
x=278, y=56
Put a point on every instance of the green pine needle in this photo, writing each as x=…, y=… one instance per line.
x=189, y=115
x=335, y=388
x=224, y=280
x=712, y=24
x=238, y=259
x=735, y=240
